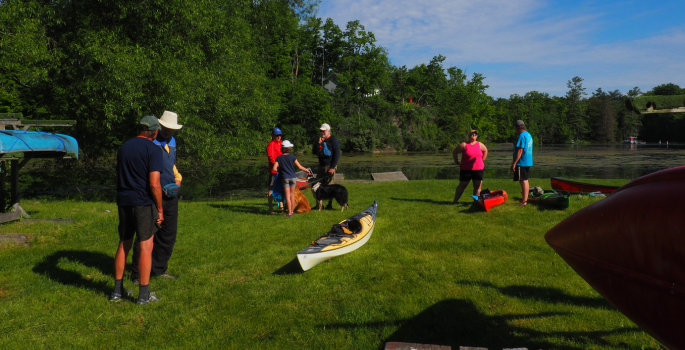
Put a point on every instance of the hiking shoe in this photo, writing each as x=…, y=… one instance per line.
x=166, y=275
x=152, y=298
x=116, y=297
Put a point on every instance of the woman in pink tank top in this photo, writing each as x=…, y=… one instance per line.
x=473, y=153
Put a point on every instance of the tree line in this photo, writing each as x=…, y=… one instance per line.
x=234, y=69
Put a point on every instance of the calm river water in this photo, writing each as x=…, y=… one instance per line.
x=248, y=177
x=571, y=161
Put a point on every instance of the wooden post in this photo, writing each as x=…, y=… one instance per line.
x=14, y=180
x=3, y=190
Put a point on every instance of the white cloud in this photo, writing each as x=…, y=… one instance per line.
x=545, y=45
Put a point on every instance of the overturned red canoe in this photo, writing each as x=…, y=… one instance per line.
x=492, y=199
x=630, y=247
x=560, y=184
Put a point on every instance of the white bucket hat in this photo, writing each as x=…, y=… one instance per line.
x=169, y=120
x=287, y=143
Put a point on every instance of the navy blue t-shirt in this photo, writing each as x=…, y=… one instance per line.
x=286, y=166
x=136, y=159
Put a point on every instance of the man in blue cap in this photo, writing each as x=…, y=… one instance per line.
x=273, y=150
x=139, y=203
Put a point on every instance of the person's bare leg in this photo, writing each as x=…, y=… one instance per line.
x=525, y=187
x=145, y=261
x=288, y=193
x=120, y=258
x=291, y=203
x=476, y=187
x=460, y=190
x=271, y=201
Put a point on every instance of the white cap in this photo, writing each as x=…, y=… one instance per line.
x=287, y=143
x=325, y=127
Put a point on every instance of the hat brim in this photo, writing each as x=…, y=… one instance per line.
x=169, y=125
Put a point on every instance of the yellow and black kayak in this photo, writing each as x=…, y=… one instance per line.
x=343, y=238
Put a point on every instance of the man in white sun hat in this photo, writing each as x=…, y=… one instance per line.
x=327, y=148
x=170, y=180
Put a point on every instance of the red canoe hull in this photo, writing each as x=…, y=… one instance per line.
x=580, y=187
x=630, y=247
x=302, y=183
x=490, y=200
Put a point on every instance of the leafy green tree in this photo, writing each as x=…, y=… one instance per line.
x=576, y=108
x=115, y=61
x=666, y=89
x=25, y=55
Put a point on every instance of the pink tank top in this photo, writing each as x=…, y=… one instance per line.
x=472, y=157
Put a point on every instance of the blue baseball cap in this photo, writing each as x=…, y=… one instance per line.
x=277, y=132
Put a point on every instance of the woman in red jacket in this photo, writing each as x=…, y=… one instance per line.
x=273, y=150
x=471, y=167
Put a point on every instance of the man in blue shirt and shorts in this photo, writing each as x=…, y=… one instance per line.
x=523, y=159
x=139, y=202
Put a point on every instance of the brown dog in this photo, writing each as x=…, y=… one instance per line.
x=301, y=202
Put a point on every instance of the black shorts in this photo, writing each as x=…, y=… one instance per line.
x=521, y=173
x=468, y=175
x=138, y=220
x=272, y=181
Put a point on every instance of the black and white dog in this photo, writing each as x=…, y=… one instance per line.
x=329, y=192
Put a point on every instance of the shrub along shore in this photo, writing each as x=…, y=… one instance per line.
x=431, y=273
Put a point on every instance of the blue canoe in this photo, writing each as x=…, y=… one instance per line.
x=36, y=144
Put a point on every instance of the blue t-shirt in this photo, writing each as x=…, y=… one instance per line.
x=168, y=158
x=525, y=142
x=136, y=159
x=286, y=166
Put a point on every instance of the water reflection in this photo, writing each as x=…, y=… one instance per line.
x=620, y=161
x=248, y=177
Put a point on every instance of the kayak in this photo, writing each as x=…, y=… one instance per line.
x=550, y=198
x=347, y=236
x=490, y=199
x=560, y=184
x=36, y=144
x=630, y=247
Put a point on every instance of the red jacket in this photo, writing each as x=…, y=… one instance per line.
x=273, y=150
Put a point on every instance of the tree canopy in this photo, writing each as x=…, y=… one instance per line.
x=234, y=69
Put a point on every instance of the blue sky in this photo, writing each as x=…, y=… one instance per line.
x=531, y=45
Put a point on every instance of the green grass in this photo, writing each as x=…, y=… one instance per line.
x=431, y=273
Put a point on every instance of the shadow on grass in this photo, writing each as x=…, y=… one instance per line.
x=544, y=294
x=291, y=268
x=49, y=268
x=543, y=208
x=259, y=209
x=458, y=323
x=471, y=208
x=429, y=201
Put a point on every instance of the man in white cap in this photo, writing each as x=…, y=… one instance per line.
x=170, y=180
x=327, y=148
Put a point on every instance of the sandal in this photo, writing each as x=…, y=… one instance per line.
x=288, y=215
x=523, y=204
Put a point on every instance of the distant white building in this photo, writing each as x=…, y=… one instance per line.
x=331, y=83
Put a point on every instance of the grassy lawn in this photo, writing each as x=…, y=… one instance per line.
x=431, y=273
